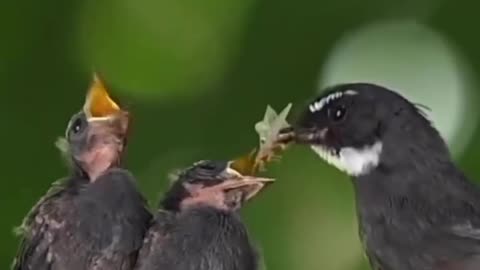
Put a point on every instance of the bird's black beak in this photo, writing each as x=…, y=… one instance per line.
x=250, y=186
x=302, y=135
x=102, y=112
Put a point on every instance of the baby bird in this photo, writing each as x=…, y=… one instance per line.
x=198, y=226
x=95, y=218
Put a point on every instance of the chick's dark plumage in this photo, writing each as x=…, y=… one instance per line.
x=416, y=209
x=198, y=226
x=77, y=226
x=93, y=219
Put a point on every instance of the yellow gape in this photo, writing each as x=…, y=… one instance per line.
x=98, y=103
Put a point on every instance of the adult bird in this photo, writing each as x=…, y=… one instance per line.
x=416, y=209
x=198, y=226
x=95, y=218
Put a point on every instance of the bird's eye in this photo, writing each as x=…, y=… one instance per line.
x=208, y=166
x=77, y=126
x=207, y=171
x=337, y=113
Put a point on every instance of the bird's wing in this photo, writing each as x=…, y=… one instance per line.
x=463, y=242
x=375, y=262
x=471, y=263
x=102, y=223
x=37, y=233
x=33, y=253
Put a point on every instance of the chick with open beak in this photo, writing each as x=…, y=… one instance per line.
x=96, y=136
x=213, y=184
x=198, y=226
x=95, y=218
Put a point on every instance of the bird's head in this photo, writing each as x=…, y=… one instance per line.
x=96, y=136
x=214, y=184
x=358, y=126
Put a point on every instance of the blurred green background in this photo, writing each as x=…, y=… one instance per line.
x=197, y=75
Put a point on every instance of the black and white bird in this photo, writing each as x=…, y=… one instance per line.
x=416, y=209
x=95, y=218
x=198, y=226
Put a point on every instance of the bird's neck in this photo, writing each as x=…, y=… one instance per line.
x=402, y=175
x=213, y=222
x=418, y=182
x=217, y=232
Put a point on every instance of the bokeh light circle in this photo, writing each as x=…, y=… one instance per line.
x=417, y=62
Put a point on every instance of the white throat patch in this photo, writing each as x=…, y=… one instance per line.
x=353, y=161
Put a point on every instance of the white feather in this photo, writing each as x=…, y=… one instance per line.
x=318, y=105
x=353, y=161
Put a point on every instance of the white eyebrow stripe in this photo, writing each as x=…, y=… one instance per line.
x=350, y=92
x=318, y=105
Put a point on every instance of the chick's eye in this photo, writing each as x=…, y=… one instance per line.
x=203, y=170
x=77, y=126
x=212, y=167
x=337, y=113
x=208, y=166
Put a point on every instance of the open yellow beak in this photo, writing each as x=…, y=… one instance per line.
x=98, y=103
x=246, y=164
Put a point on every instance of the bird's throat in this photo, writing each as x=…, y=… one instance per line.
x=354, y=161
